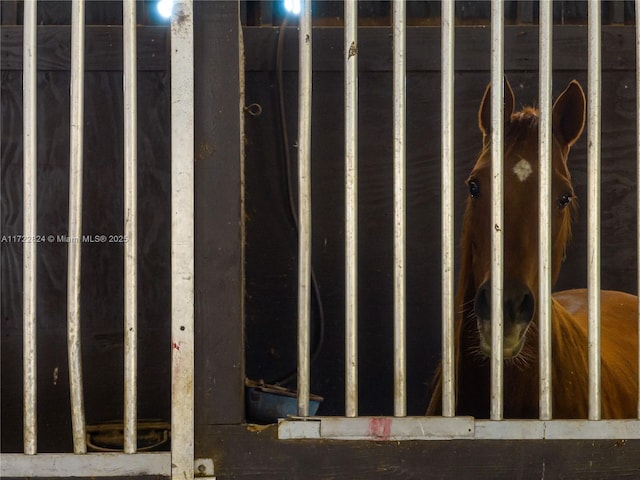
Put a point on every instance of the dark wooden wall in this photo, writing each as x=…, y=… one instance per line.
x=102, y=264
x=426, y=12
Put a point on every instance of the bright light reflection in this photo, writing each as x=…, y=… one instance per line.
x=292, y=6
x=165, y=8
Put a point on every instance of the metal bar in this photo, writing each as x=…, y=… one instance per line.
x=593, y=207
x=30, y=215
x=399, y=206
x=395, y=429
x=389, y=428
x=351, y=204
x=64, y=465
x=448, y=234
x=182, y=241
x=304, y=207
x=545, y=145
x=130, y=226
x=497, y=208
x=75, y=227
x=637, y=6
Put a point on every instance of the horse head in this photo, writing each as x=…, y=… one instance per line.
x=521, y=216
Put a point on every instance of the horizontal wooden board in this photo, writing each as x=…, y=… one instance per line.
x=246, y=453
x=423, y=47
x=103, y=49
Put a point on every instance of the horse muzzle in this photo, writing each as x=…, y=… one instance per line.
x=518, y=309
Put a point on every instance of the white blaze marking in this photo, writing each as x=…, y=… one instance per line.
x=522, y=169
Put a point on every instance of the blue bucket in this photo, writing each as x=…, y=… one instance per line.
x=268, y=403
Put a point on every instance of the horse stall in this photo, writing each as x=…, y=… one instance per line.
x=245, y=262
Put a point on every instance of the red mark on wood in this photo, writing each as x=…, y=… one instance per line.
x=380, y=428
x=175, y=346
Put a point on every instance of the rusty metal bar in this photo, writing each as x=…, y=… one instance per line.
x=448, y=233
x=130, y=226
x=30, y=215
x=399, y=206
x=304, y=208
x=593, y=206
x=497, y=209
x=75, y=227
x=545, y=266
x=351, y=205
x=182, y=242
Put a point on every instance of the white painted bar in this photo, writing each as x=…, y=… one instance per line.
x=304, y=207
x=351, y=205
x=396, y=428
x=637, y=9
x=441, y=428
x=497, y=209
x=399, y=208
x=593, y=206
x=182, y=242
x=30, y=215
x=377, y=428
x=75, y=227
x=130, y=225
x=545, y=266
x=557, y=429
x=64, y=465
x=448, y=228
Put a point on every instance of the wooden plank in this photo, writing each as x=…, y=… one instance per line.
x=103, y=48
x=472, y=48
x=219, y=232
x=616, y=8
x=526, y=12
x=8, y=12
x=249, y=452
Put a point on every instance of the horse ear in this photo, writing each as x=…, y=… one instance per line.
x=569, y=114
x=484, y=114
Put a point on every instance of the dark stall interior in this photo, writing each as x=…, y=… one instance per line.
x=270, y=269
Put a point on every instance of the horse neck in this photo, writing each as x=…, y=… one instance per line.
x=570, y=364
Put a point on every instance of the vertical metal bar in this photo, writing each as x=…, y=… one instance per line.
x=593, y=210
x=399, y=205
x=637, y=6
x=182, y=241
x=544, y=294
x=29, y=253
x=130, y=226
x=448, y=235
x=497, y=209
x=304, y=206
x=351, y=204
x=75, y=227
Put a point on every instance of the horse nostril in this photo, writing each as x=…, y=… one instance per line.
x=518, y=306
x=482, y=303
x=527, y=306
x=519, y=303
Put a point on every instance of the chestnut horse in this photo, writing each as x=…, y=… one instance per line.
x=619, y=329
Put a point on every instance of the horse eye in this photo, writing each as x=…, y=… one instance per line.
x=474, y=189
x=564, y=200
